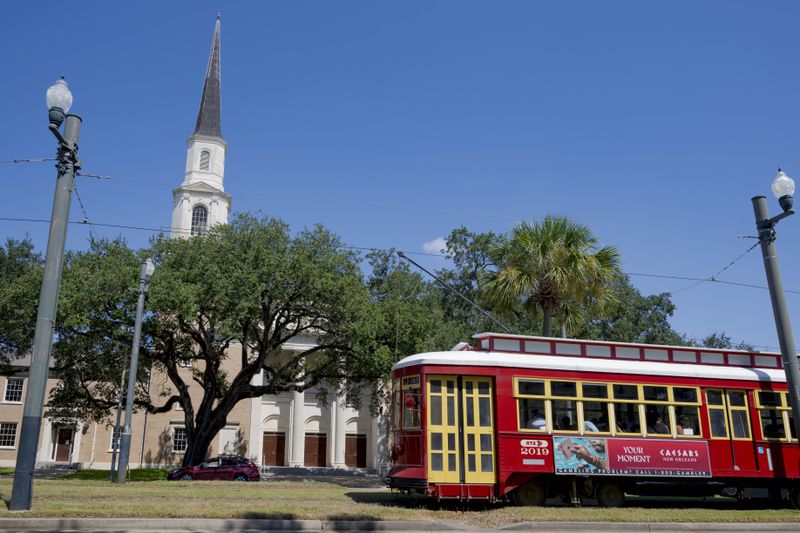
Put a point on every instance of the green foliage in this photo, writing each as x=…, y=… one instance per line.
x=20, y=279
x=554, y=266
x=134, y=474
x=722, y=341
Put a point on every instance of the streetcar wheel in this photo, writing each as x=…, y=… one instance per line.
x=794, y=497
x=610, y=495
x=532, y=493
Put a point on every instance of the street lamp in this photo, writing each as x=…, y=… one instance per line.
x=783, y=189
x=59, y=100
x=145, y=273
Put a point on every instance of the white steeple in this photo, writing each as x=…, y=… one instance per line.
x=201, y=202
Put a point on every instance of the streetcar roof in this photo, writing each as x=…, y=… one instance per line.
x=585, y=364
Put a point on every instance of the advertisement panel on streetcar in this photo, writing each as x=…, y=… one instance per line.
x=631, y=457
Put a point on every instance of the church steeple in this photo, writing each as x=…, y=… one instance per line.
x=209, y=117
x=201, y=201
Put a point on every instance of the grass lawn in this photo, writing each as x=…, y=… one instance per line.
x=330, y=501
x=135, y=474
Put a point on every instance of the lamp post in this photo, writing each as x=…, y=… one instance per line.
x=145, y=273
x=783, y=189
x=59, y=100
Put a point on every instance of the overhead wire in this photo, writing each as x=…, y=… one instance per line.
x=29, y=160
x=713, y=277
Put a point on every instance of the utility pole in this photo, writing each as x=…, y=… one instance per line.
x=766, y=236
x=145, y=273
x=59, y=100
x=115, y=434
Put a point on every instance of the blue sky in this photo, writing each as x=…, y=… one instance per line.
x=395, y=122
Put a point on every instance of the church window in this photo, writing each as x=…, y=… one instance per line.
x=205, y=157
x=199, y=220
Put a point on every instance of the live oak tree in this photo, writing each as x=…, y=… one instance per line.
x=20, y=279
x=249, y=285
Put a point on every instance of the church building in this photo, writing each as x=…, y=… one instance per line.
x=291, y=429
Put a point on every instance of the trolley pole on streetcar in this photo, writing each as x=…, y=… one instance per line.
x=783, y=188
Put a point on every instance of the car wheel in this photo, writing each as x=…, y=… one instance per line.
x=532, y=493
x=240, y=477
x=186, y=477
x=610, y=495
x=794, y=497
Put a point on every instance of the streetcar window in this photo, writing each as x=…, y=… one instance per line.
x=714, y=397
x=772, y=424
x=739, y=415
x=655, y=394
x=484, y=412
x=411, y=402
x=741, y=426
x=657, y=417
x=716, y=419
x=773, y=412
x=396, y=405
x=435, y=410
x=627, y=417
x=595, y=390
x=737, y=399
x=532, y=414
x=527, y=387
x=769, y=399
x=595, y=417
x=564, y=389
x=565, y=415
x=685, y=395
x=626, y=392
x=687, y=420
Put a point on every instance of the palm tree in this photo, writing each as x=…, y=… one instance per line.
x=554, y=266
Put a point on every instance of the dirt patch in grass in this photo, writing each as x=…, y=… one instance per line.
x=71, y=498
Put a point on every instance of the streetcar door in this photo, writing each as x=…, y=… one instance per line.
x=478, y=430
x=443, y=431
x=460, y=429
x=731, y=439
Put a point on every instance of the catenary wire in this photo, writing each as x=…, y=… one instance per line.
x=377, y=249
x=713, y=277
x=29, y=160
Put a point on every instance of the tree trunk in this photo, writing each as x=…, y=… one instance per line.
x=200, y=442
x=547, y=323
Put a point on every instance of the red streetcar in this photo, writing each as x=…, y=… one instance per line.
x=524, y=418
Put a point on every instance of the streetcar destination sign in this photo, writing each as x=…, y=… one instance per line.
x=641, y=457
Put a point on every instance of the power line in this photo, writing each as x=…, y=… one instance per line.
x=377, y=249
x=32, y=160
x=713, y=277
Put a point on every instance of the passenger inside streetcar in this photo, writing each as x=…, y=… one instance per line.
x=655, y=424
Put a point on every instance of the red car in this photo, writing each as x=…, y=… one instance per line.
x=224, y=467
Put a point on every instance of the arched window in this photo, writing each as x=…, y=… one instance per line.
x=205, y=157
x=199, y=220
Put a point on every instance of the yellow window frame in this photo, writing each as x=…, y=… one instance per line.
x=784, y=409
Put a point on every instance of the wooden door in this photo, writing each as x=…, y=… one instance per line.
x=355, y=451
x=273, y=449
x=63, y=444
x=316, y=449
x=478, y=430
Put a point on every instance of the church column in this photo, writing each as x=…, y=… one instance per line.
x=298, y=429
x=256, y=433
x=340, y=432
